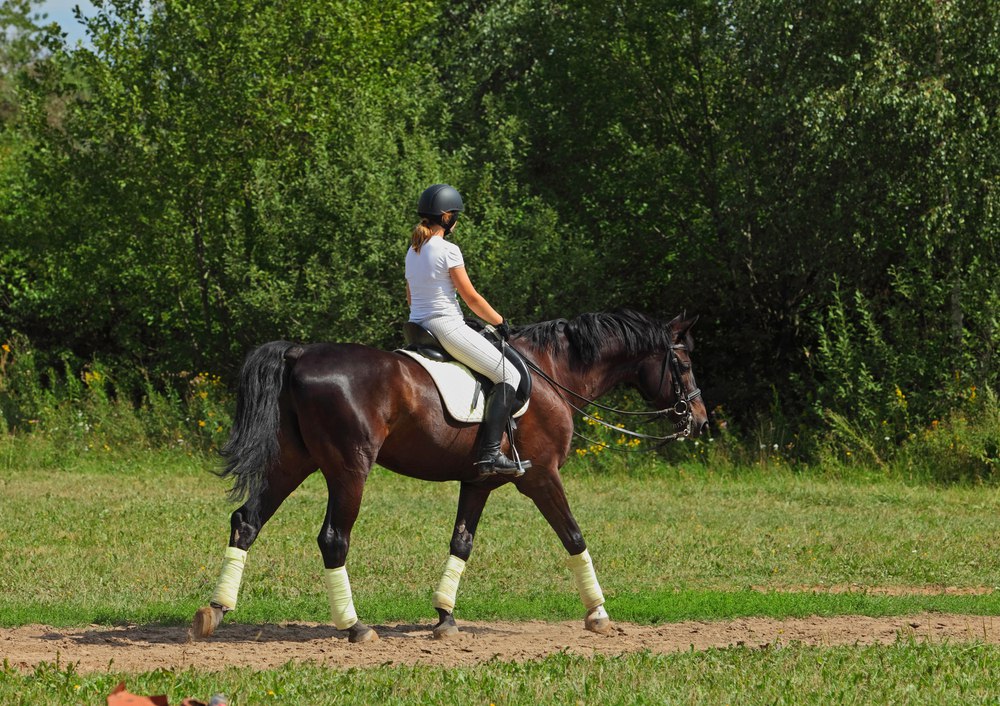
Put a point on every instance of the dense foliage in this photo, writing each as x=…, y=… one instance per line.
x=819, y=180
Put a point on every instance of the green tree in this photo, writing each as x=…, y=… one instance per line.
x=230, y=172
x=818, y=179
x=738, y=158
x=24, y=45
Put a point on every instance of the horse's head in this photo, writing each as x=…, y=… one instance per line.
x=666, y=380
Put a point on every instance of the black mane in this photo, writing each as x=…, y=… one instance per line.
x=589, y=334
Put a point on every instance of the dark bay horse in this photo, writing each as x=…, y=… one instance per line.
x=343, y=407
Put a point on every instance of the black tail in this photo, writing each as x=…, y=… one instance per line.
x=253, y=447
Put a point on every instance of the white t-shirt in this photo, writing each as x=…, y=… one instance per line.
x=428, y=273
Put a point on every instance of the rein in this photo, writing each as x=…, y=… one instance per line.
x=681, y=408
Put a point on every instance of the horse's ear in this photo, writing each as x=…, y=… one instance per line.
x=680, y=329
x=688, y=338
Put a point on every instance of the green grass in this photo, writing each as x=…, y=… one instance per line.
x=142, y=540
x=906, y=672
x=107, y=538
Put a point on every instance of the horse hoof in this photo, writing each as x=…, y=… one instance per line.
x=360, y=633
x=206, y=620
x=602, y=626
x=445, y=631
x=598, y=621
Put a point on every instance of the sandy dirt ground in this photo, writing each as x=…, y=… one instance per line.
x=144, y=648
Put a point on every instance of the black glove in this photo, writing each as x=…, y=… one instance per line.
x=503, y=329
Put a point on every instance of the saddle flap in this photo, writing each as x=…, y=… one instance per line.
x=523, y=393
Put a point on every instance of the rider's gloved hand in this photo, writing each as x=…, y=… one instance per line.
x=503, y=329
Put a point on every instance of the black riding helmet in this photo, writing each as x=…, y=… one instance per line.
x=437, y=200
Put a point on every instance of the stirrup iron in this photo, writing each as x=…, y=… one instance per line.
x=500, y=465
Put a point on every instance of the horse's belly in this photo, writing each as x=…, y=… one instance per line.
x=438, y=454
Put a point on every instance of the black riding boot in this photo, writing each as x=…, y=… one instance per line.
x=491, y=459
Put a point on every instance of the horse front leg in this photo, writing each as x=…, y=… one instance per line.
x=546, y=491
x=471, y=501
x=334, y=540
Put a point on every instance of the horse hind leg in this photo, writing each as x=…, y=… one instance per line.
x=224, y=597
x=343, y=503
x=245, y=525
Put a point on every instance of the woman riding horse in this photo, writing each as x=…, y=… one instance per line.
x=342, y=408
x=435, y=272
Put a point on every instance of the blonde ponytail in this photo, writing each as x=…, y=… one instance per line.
x=422, y=231
x=421, y=234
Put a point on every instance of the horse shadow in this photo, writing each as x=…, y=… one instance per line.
x=237, y=633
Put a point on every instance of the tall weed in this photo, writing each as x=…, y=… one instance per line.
x=964, y=446
x=857, y=369
x=87, y=408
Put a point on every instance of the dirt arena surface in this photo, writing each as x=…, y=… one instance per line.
x=145, y=648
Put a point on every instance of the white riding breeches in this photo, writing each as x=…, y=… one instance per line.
x=469, y=347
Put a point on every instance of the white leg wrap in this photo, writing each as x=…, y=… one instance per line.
x=228, y=587
x=338, y=589
x=598, y=612
x=444, y=596
x=586, y=580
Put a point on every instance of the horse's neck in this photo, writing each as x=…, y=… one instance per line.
x=598, y=379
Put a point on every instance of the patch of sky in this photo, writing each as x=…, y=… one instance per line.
x=61, y=12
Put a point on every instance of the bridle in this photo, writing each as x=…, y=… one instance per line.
x=681, y=407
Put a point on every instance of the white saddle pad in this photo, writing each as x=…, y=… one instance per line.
x=457, y=387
